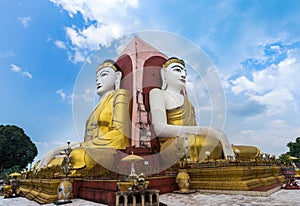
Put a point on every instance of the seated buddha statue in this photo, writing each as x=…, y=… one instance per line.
x=109, y=124
x=107, y=128
x=173, y=116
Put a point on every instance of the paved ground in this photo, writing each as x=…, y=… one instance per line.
x=279, y=198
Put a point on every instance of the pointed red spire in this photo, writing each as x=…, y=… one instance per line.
x=140, y=63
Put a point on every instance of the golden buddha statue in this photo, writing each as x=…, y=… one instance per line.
x=173, y=116
x=109, y=123
x=107, y=128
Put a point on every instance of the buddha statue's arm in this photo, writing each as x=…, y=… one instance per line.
x=121, y=114
x=165, y=130
x=54, y=152
x=118, y=135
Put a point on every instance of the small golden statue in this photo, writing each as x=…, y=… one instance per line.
x=64, y=189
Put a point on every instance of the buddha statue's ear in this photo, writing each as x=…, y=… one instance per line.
x=163, y=78
x=118, y=80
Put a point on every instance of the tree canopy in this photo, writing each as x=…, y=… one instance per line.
x=294, y=151
x=16, y=148
x=294, y=148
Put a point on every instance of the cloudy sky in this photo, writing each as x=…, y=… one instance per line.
x=254, y=46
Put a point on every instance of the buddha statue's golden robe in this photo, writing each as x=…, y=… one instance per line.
x=109, y=124
x=185, y=116
x=107, y=129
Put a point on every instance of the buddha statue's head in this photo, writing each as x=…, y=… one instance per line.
x=173, y=73
x=108, y=77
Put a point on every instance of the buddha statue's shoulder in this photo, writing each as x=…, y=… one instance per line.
x=122, y=95
x=123, y=92
x=156, y=92
x=156, y=95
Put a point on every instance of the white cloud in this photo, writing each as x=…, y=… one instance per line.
x=278, y=123
x=104, y=20
x=46, y=144
x=276, y=86
x=88, y=95
x=18, y=69
x=271, y=140
x=15, y=68
x=27, y=74
x=60, y=143
x=25, y=20
x=62, y=94
x=277, y=100
x=60, y=44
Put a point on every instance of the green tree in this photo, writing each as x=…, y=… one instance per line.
x=16, y=148
x=294, y=148
x=285, y=158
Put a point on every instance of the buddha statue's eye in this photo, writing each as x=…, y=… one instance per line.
x=103, y=74
x=177, y=70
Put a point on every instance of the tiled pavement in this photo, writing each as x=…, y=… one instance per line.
x=279, y=198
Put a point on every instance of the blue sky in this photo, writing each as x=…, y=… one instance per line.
x=254, y=45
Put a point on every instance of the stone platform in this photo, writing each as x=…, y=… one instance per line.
x=240, y=177
x=44, y=191
x=40, y=190
x=230, y=177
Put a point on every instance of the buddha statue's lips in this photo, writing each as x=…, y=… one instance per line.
x=98, y=87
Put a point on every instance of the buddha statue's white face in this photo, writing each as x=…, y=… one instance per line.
x=175, y=75
x=105, y=80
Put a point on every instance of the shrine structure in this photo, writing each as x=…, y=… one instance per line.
x=141, y=65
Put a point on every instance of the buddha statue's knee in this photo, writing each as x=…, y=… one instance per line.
x=55, y=164
x=80, y=159
x=217, y=152
x=210, y=144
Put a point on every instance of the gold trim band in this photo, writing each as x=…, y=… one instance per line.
x=107, y=64
x=173, y=60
